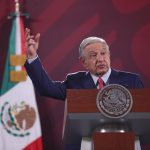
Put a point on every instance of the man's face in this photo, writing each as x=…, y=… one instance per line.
x=96, y=58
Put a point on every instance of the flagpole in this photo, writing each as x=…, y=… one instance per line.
x=17, y=6
x=17, y=55
x=17, y=11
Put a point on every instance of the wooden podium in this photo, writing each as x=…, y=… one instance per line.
x=82, y=117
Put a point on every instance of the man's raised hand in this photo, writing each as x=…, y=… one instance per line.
x=31, y=43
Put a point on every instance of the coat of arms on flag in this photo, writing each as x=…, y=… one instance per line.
x=17, y=119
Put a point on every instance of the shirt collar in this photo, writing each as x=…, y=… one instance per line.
x=105, y=77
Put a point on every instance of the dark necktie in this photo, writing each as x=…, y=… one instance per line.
x=100, y=83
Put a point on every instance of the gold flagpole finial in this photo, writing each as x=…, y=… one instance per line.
x=17, y=11
x=17, y=6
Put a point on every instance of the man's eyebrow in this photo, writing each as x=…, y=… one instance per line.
x=91, y=51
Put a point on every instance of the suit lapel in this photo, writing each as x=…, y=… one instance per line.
x=114, y=77
x=88, y=82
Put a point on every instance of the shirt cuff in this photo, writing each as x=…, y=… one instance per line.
x=30, y=60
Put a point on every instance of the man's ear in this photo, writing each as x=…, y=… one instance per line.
x=83, y=62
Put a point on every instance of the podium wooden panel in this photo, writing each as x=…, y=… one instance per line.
x=83, y=101
x=82, y=116
x=113, y=141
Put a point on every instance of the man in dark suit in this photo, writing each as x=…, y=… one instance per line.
x=94, y=55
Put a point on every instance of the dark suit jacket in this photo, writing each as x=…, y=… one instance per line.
x=79, y=80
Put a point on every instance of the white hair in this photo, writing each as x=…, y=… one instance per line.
x=90, y=40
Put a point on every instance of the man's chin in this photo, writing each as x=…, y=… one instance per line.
x=101, y=73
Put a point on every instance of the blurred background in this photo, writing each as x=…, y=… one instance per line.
x=124, y=24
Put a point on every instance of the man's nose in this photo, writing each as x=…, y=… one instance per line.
x=100, y=57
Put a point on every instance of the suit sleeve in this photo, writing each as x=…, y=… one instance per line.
x=42, y=83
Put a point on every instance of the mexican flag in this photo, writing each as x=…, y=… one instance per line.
x=19, y=118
